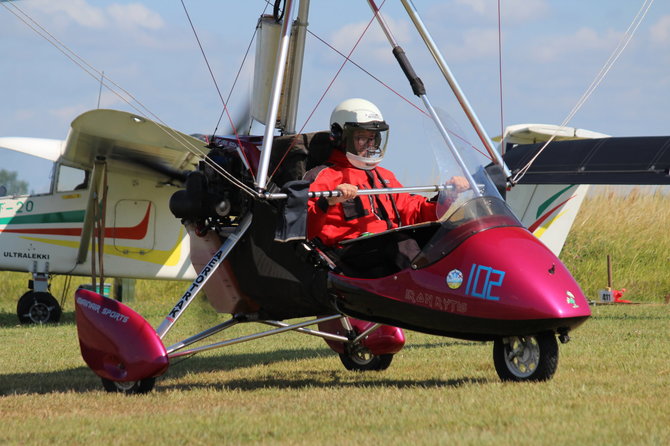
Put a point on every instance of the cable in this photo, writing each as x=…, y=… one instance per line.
x=623, y=43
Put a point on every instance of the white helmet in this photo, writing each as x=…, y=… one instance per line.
x=356, y=118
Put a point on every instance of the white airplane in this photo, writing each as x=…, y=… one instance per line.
x=103, y=216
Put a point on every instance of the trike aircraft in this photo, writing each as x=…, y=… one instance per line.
x=480, y=273
x=50, y=231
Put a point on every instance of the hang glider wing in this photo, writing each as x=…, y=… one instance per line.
x=641, y=160
x=130, y=143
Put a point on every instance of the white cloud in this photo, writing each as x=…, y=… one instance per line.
x=513, y=11
x=374, y=46
x=116, y=15
x=135, y=15
x=78, y=11
x=475, y=44
x=582, y=41
x=660, y=31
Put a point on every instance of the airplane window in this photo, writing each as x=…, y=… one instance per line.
x=71, y=178
x=22, y=174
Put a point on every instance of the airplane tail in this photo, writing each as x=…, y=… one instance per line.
x=547, y=210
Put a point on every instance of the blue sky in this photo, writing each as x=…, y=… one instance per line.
x=552, y=50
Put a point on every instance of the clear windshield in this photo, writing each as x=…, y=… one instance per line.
x=461, y=166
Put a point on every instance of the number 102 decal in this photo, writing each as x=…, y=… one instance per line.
x=481, y=279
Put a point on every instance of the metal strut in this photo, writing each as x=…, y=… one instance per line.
x=203, y=277
x=419, y=90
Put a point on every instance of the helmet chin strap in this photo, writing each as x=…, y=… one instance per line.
x=362, y=162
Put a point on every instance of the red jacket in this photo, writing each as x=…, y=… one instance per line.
x=364, y=213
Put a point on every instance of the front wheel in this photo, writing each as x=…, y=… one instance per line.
x=361, y=360
x=131, y=387
x=526, y=358
x=38, y=307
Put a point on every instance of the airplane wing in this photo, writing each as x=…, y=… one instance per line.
x=643, y=160
x=130, y=143
x=48, y=149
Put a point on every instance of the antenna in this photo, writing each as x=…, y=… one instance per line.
x=102, y=81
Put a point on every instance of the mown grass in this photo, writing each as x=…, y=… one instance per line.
x=611, y=387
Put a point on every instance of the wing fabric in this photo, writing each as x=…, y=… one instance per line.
x=643, y=160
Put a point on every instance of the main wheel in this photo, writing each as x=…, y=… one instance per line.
x=526, y=358
x=361, y=360
x=36, y=307
x=131, y=387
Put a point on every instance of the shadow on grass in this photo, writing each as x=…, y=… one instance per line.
x=11, y=319
x=83, y=380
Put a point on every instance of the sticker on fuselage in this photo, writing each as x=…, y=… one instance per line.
x=482, y=280
x=455, y=279
x=570, y=299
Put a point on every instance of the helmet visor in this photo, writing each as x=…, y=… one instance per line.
x=366, y=141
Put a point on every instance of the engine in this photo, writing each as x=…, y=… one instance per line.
x=210, y=199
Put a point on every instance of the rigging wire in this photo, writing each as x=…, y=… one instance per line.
x=318, y=102
x=623, y=43
x=216, y=85
x=122, y=94
x=347, y=59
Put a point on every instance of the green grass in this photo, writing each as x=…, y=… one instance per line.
x=611, y=387
x=633, y=231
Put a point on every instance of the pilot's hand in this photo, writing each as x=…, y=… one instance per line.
x=459, y=183
x=348, y=191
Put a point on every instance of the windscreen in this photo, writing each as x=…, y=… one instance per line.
x=461, y=166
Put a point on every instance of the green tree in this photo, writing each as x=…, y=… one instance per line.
x=12, y=183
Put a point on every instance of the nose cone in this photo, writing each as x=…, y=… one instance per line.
x=516, y=277
x=498, y=282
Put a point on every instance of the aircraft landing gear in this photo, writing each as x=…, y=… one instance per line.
x=38, y=307
x=526, y=358
x=361, y=360
x=131, y=387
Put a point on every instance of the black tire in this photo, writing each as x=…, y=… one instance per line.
x=38, y=308
x=131, y=387
x=526, y=358
x=364, y=361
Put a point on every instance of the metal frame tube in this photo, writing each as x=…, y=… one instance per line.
x=252, y=336
x=202, y=335
x=298, y=55
x=405, y=65
x=365, y=333
x=388, y=190
x=317, y=333
x=202, y=278
x=280, y=69
x=460, y=96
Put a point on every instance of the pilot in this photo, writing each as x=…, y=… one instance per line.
x=359, y=137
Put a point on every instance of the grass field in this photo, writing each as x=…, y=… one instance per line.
x=612, y=385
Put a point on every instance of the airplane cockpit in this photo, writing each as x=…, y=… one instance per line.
x=36, y=171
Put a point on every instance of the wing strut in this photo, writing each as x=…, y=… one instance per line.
x=420, y=91
x=203, y=277
x=442, y=64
